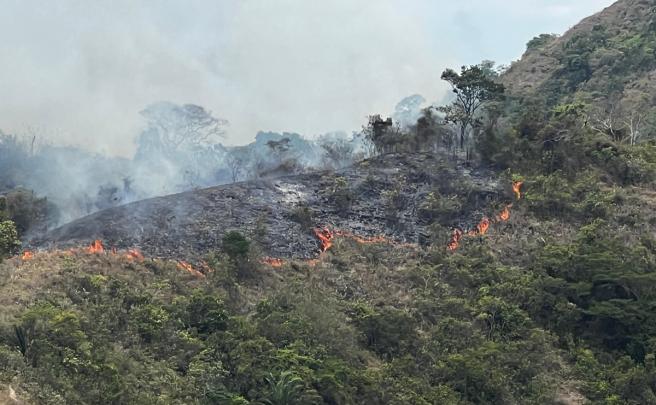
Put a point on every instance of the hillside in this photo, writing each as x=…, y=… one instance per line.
x=368, y=323
x=386, y=196
x=515, y=268
x=607, y=59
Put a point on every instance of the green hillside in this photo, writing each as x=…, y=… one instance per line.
x=554, y=304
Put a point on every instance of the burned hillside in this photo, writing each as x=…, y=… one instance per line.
x=402, y=197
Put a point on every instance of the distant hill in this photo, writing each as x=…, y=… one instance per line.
x=608, y=59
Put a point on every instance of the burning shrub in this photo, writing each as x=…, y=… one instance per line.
x=9, y=242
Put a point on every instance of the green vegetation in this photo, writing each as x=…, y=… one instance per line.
x=9, y=241
x=473, y=87
x=504, y=319
x=557, y=302
x=27, y=211
x=340, y=193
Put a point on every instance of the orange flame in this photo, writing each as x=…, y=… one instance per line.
x=273, y=261
x=182, y=265
x=517, y=187
x=504, y=215
x=483, y=226
x=96, y=247
x=135, y=254
x=326, y=236
x=206, y=267
x=312, y=262
x=27, y=255
x=455, y=239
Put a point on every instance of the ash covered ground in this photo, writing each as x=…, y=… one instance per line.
x=381, y=196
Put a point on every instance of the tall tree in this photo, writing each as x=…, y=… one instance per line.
x=473, y=87
x=173, y=127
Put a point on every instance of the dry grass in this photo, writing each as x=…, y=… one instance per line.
x=45, y=276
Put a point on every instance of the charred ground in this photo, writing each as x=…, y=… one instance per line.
x=383, y=196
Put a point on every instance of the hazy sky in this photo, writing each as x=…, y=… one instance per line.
x=80, y=71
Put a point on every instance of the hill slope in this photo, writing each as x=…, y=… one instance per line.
x=382, y=196
x=606, y=58
x=554, y=303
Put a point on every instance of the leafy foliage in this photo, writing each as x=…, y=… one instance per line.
x=9, y=242
x=472, y=87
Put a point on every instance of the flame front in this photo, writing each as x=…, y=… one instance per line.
x=504, y=215
x=96, y=247
x=135, y=254
x=455, y=239
x=182, y=265
x=483, y=226
x=517, y=189
x=326, y=236
x=27, y=255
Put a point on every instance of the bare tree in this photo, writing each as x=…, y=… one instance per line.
x=338, y=153
x=635, y=126
x=620, y=125
x=188, y=125
x=236, y=161
x=608, y=122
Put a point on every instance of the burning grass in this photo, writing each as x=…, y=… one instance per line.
x=484, y=225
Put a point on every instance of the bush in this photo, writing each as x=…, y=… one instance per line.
x=440, y=208
x=9, y=242
x=303, y=215
x=540, y=41
x=236, y=246
x=27, y=211
x=341, y=195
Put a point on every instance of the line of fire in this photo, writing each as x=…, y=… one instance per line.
x=325, y=236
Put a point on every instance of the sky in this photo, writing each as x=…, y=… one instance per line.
x=77, y=72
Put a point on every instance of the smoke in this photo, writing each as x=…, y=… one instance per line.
x=179, y=150
x=86, y=68
x=82, y=71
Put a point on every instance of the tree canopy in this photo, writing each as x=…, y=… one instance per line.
x=473, y=87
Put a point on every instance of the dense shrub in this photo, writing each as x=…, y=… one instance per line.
x=9, y=242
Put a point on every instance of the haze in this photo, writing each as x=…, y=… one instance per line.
x=79, y=72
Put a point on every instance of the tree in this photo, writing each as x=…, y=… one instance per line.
x=383, y=134
x=173, y=127
x=338, y=152
x=473, y=87
x=623, y=124
x=236, y=161
x=288, y=389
